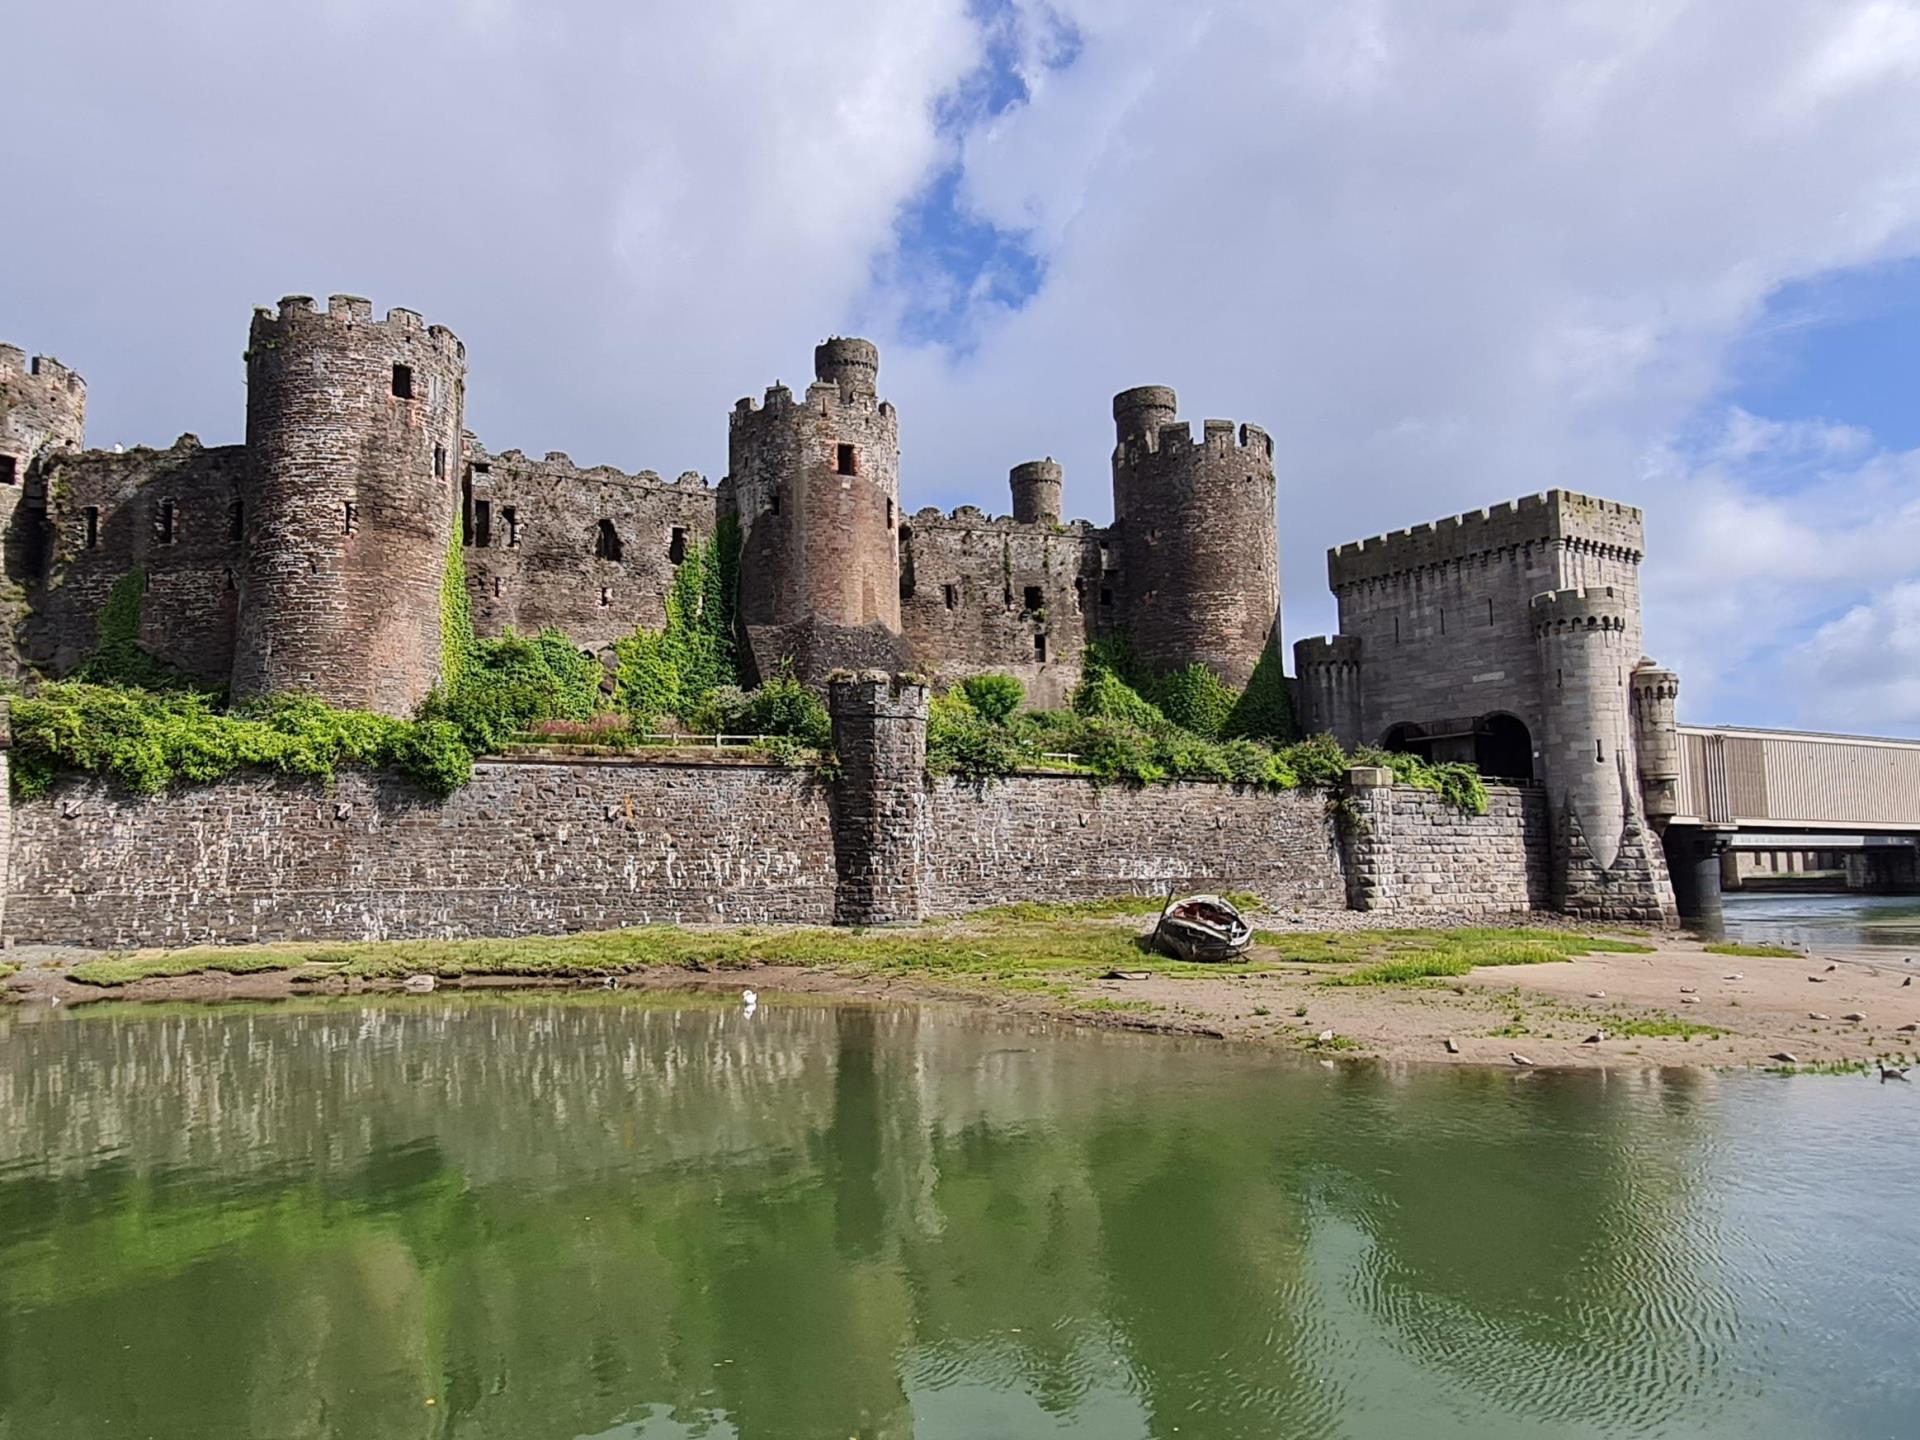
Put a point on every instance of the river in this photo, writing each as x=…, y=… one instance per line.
x=1827, y=923
x=665, y=1218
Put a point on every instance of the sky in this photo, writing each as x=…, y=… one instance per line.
x=1446, y=251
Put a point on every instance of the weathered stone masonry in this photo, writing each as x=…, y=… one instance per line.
x=538, y=847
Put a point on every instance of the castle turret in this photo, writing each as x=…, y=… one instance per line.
x=1606, y=863
x=1656, y=741
x=353, y=434
x=815, y=484
x=1195, y=520
x=1329, y=687
x=1036, y=491
x=43, y=411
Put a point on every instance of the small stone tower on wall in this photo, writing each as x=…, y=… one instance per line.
x=1195, y=520
x=1036, y=491
x=815, y=484
x=1656, y=740
x=353, y=434
x=43, y=410
x=1608, y=863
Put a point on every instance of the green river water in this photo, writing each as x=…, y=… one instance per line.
x=598, y=1215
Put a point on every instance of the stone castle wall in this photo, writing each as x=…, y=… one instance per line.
x=172, y=514
x=524, y=849
x=590, y=552
x=993, y=593
x=1043, y=837
x=541, y=847
x=1408, y=850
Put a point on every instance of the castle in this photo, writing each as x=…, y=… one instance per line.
x=312, y=557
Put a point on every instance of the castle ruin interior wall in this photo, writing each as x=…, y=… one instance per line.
x=982, y=593
x=590, y=552
x=174, y=515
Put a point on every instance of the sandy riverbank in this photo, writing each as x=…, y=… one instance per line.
x=1676, y=1004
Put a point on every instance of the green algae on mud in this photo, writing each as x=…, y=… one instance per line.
x=1019, y=948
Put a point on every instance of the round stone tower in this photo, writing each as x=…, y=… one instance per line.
x=353, y=435
x=1656, y=740
x=1036, y=491
x=1200, y=569
x=815, y=485
x=1586, y=745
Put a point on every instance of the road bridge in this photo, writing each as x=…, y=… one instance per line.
x=1793, y=809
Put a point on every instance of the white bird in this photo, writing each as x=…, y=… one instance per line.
x=1737, y=975
x=1453, y=1046
x=1689, y=989
x=1785, y=1057
x=1323, y=1037
x=748, y=999
x=1517, y=1058
x=1818, y=1015
x=1689, y=999
x=1854, y=1015
x=418, y=984
x=1595, y=1038
x=1596, y=994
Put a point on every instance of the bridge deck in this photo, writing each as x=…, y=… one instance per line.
x=1776, y=779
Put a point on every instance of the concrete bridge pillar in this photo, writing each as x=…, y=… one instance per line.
x=1693, y=859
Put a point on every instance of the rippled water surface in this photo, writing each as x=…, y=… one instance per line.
x=597, y=1216
x=1829, y=922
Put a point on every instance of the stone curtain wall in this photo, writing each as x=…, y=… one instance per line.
x=524, y=849
x=1409, y=851
x=545, y=847
x=1050, y=837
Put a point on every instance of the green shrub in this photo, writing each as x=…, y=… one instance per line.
x=784, y=706
x=1103, y=695
x=1318, y=760
x=963, y=741
x=1264, y=710
x=994, y=697
x=1196, y=699
x=118, y=658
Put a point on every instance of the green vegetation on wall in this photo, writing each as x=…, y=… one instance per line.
x=117, y=657
x=673, y=671
x=1115, y=733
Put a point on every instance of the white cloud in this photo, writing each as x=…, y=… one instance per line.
x=1446, y=252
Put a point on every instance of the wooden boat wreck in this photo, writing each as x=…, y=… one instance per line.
x=1202, y=927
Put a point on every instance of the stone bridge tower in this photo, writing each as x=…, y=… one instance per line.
x=1195, y=519
x=353, y=434
x=815, y=485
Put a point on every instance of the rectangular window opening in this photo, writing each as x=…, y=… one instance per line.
x=403, y=382
x=606, y=596
x=1443, y=619
x=164, y=526
x=92, y=518
x=9, y=470
x=1599, y=753
x=1040, y=647
x=774, y=508
x=482, y=522
x=1106, y=596
x=677, y=545
x=497, y=587
x=889, y=514
x=1033, y=598
x=512, y=519
x=606, y=543
x=236, y=521
x=1489, y=610
x=439, y=462
x=843, y=460
x=951, y=594
x=352, y=517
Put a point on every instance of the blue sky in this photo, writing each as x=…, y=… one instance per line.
x=1445, y=251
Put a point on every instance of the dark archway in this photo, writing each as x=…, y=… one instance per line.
x=1503, y=748
x=1407, y=739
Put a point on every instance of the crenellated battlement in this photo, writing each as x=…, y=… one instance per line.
x=1562, y=517
x=1175, y=438
x=354, y=311
x=1589, y=608
x=45, y=371
x=972, y=517
x=1337, y=651
x=557, y=466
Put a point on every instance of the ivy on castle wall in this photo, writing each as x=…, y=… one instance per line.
x=674, y=671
